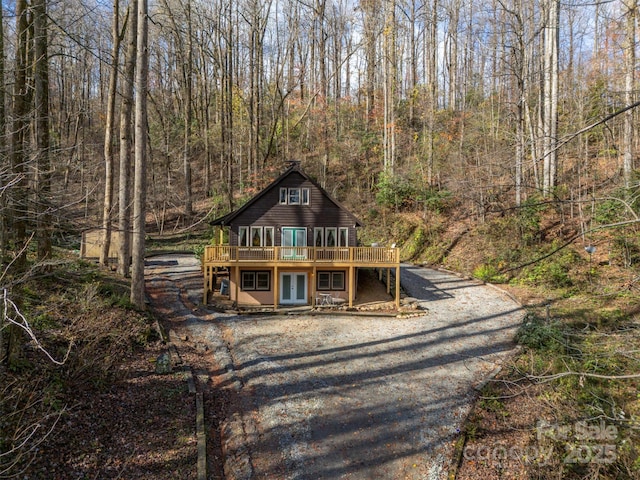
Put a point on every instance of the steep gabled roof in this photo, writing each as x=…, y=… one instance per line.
x=295, y=167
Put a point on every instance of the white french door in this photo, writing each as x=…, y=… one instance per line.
x=293, y=288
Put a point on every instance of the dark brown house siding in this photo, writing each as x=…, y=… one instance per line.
x=322, y=211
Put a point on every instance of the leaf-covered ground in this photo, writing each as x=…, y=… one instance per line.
x=105, y=413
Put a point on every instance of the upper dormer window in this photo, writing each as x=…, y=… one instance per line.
x=294, y=196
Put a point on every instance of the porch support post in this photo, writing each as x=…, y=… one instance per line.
x=237, y=289
x=398, y=287
x=276, y=287
x=206, y=284
x=313, y=285
x=351, y=286
x=388, y=280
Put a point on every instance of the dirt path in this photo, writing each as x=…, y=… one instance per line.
x=328, y=397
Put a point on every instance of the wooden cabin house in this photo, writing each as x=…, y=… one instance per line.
x=292, y=244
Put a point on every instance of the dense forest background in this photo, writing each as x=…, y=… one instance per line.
x=496, y=138
x=394, y=105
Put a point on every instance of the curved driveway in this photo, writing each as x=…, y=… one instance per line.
x=351, y=397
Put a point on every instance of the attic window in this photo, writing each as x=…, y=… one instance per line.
x=294, y=196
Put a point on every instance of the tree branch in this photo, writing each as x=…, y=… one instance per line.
x=569, y=242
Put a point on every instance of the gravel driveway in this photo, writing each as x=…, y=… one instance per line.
x=333, y=397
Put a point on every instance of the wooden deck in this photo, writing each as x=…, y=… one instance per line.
x=233, y=257
x=368, y=257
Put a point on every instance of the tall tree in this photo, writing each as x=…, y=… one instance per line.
x=431, y=80
x=257, y=15
x=140, y=178
x=631, y=7
x=109, y=134
x=41, y=98
x=551, y=10
x=452, y=52
x=519, y=70
x=390, y=86
x=187, y=74
x=126, y=142
x=370, y=32
x=19, y=136
x=5, y=173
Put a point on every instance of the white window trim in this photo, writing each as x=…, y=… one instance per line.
x=303, y=195
x=327, y=231
x=294, y=192
x=246, y=277
x=262, y=232
x=253, y=230
x=346, y=236
x=264, y=236
x=268, y=278
x=247, y=236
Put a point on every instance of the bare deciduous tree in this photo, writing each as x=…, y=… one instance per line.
x=628, y=149
x=109, y=135
x=126, y=142
x=140, y=178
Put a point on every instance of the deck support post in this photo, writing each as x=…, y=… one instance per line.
x=276, y=287
x=398, y=287
x=206, y=285
x=237, y=286
x=313, y=286
x=351, y=287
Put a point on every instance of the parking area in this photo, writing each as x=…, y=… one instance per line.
x=360, y=397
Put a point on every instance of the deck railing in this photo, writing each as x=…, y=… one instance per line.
x=225, y=255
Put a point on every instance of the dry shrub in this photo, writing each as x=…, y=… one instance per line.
x=76, y=316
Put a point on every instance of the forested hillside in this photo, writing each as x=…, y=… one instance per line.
x=496, y=139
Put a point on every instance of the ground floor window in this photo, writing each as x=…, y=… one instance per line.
x=330, y=281
x=255, y=280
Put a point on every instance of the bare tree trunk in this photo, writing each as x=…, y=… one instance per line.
x=140, y=184
x=629, y=77
x=390, y=86
x=254, y=95
x=431, y=66
x=109, y=134
x=124, y=184
x=321, y=46
x=4, y=174
x=413, y=53
x=19, y=155
x=369, y=8
x=188, y=116
x=452, y=55
x=227, y=108
x=41, y=83
x=520, y=72
x=18, y=138
x=550, y=96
